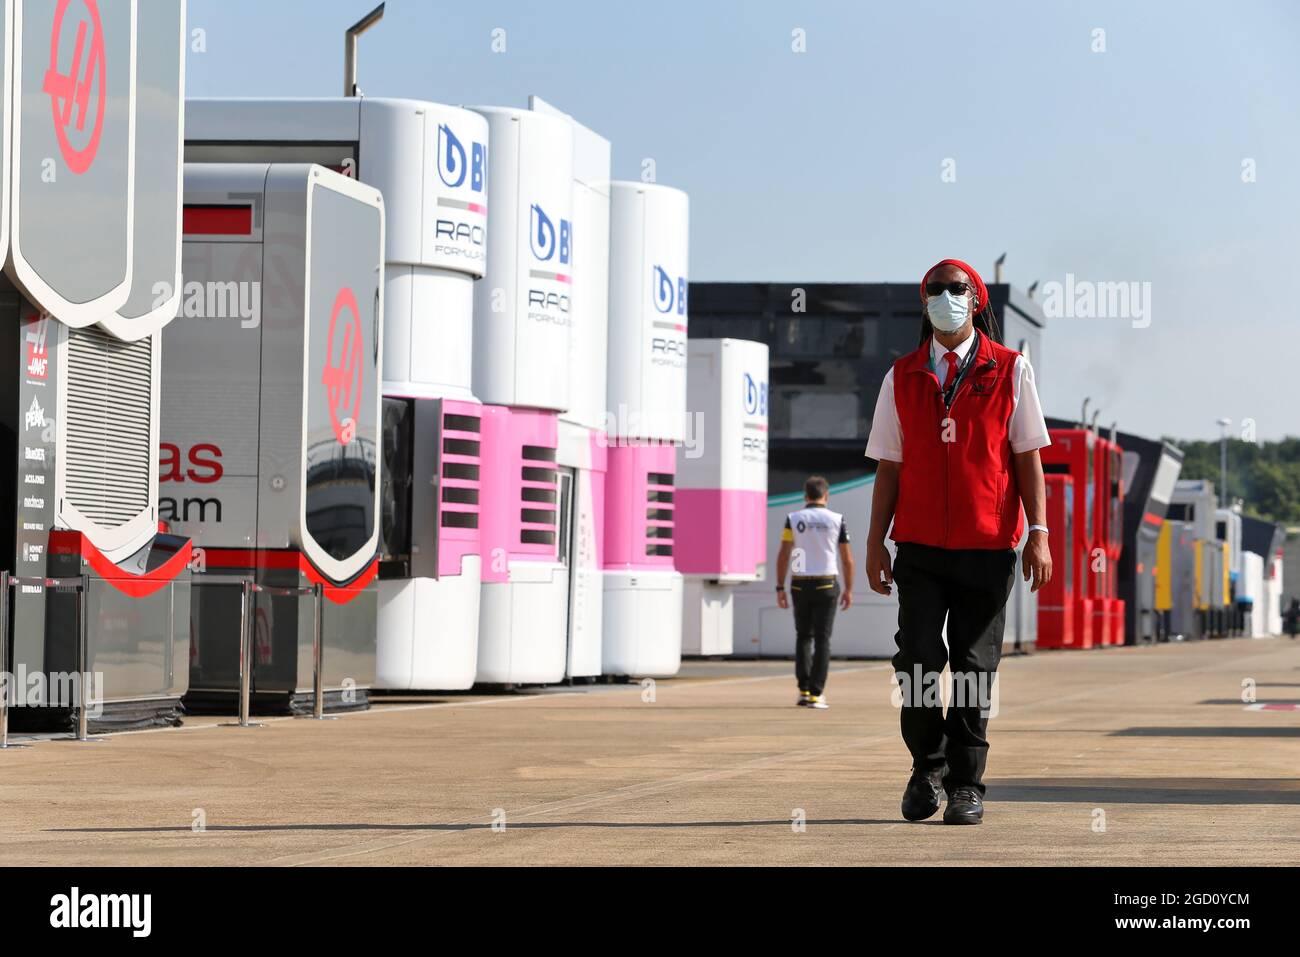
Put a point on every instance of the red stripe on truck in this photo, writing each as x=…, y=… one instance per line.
x=218, y=221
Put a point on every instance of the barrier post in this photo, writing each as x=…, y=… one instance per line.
x=5, y=676
x=245, y=663
x=83, y=660
x=247, y=589
x=318, y=655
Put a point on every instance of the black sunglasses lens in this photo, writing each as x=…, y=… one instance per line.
x=937, y=288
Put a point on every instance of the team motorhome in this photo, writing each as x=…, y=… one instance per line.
x=649, y=231
x=721, y=497
x=430, y=162
x=523, y=374
x=91, y=231
x=271, y=430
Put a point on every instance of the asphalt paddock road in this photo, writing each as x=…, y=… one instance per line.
x=1114, y=756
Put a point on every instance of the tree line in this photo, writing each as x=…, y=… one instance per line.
x=1264, y=475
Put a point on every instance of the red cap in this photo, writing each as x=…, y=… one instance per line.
x=981, y=291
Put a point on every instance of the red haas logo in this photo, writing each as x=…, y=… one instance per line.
x=72, y=90
x=38, y=360
x=343, y=380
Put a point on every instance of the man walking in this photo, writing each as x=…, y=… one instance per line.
x=956, y=432
x=815, y=546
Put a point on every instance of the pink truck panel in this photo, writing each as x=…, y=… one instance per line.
x=518, y=486
x=599, y=469
x=720, y=531
x=639, y=507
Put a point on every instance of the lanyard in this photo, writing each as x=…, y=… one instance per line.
x=961, y=366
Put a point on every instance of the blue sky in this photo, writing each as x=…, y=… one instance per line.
x=1117, y=166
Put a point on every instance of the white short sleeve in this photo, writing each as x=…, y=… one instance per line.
x=886, y=438
x=1027, y=429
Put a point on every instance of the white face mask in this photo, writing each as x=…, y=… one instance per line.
x=947, y=312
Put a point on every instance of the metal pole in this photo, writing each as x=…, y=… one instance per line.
x=350, y=48
x=5, y=676
x=317, y=592
x=245, y=669
x=83, y=660
x=318, y=677
x=1223, y=466
x=4, y=662
x=247, y=589
x=246, y=628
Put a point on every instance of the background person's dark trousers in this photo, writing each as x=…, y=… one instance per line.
x=971, y=587
x=815, y=601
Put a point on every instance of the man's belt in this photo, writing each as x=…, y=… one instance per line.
x=816, y=581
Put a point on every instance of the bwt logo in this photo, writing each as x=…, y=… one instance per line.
x=669, y=293
x=454, y=165
x=542, y=236
x=755, y=396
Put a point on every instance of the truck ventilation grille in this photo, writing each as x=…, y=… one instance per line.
x=659, y=513
x=537, y=496
x=461, y=452
x=108, y=459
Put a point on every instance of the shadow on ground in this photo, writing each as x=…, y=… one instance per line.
x=1226, y=791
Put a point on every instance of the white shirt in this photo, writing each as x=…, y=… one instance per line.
x=816, y=533
x=1026, y=429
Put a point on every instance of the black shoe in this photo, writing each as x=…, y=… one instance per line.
x=921, y=799
x=965, y=806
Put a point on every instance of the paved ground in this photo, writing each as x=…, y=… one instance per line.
x=1154, y=743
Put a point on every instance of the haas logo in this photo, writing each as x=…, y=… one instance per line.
x=344, y=368
x=454, y=166
x=69, y=92
x=37, y=364
x=542, y=236
x=669, y=293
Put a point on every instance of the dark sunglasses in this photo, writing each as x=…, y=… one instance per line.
x=937, y=288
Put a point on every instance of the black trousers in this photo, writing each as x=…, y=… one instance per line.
x=970, y=588
x=815, y=601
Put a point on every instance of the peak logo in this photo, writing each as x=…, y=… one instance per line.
x=755, y=396
x=453, y=163
x=545, y=240
x=669, y=293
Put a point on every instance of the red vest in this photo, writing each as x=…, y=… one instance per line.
x=957, y=486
